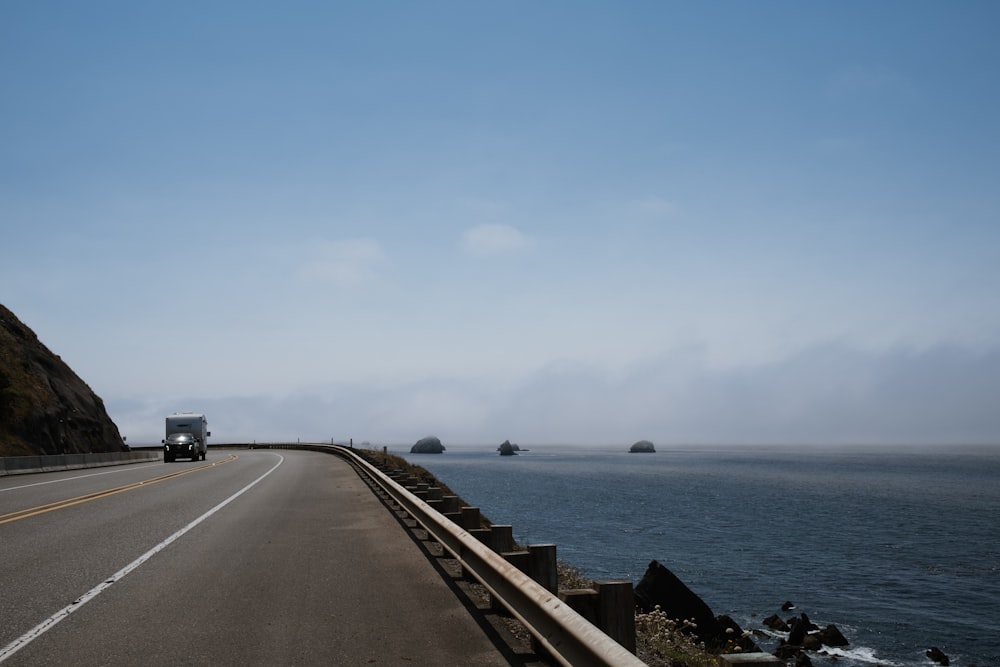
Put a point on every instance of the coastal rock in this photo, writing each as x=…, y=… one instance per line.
x=799, y=627
x=507, y=449
x=787, y=651
x=659, y=587
x=45, y=408
x=788, y=606
x=428, y=445
x=938, y=656
x=832, y=636
x=804, y=635
x=777, y=623
x=642, y=447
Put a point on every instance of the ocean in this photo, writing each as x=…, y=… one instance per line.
x=898, y=547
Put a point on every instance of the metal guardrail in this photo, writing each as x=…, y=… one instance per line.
x=566, y=635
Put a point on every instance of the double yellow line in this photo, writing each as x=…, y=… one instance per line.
x=69, y=502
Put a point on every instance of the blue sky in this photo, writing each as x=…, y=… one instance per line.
x=566, y=222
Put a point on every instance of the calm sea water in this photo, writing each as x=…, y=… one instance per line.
x=899, y=548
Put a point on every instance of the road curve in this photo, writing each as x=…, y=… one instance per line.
x=250, y=558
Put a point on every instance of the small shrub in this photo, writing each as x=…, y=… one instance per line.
x=664, y=642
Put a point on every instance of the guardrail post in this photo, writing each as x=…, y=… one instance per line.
x=450, y=504
x=583, y=601
x=518, y=559
x=501, y=538
x=470, y=518
x=616, y=611
x=542, y=566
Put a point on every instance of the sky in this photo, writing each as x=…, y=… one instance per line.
x=544, y=222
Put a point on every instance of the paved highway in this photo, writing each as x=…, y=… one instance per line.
x=249, y=558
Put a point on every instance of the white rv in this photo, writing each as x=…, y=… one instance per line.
x=187, y=437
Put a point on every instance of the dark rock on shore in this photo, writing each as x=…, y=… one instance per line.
x=642, y=447
x=659, y=587
x=428, y=445
x=45, y=408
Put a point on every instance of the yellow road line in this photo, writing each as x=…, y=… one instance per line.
x=70, y=502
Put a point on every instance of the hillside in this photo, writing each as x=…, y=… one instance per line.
x=45, y=408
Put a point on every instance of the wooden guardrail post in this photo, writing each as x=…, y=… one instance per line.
x=470, y=518
x=583, y=601
x=616, y=611
x=542, y=566
x=501, y=538
x=518, y=559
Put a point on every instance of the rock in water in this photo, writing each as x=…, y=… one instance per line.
x=428, y=445
x=775, y=622
x=507, y=449
x=832, y=636
x=45, y=408
x=938, y=656
x=642, y=447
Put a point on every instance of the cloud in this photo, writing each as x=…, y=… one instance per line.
x=343, y=263
x=825, y=395
x=495, y=239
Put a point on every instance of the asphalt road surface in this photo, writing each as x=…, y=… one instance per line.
x=249, y=558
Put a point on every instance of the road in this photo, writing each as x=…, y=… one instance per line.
x=249, y=558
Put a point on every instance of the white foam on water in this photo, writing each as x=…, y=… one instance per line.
x=863, y=654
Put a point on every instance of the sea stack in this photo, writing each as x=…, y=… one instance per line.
x=428, y=445
x=642, y=447
x=507, y=449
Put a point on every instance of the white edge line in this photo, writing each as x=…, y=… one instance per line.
x=67, y=479
x=46, y=625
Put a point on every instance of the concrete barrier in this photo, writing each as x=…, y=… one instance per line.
x=22, y=465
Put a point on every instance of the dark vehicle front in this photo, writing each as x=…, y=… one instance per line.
x=184, y=445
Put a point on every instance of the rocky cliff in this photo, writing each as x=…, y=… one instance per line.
x=45, y=408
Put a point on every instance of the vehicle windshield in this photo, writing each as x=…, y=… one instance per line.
x=180, y=437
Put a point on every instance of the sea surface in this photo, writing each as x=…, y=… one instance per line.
x=900, y=548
